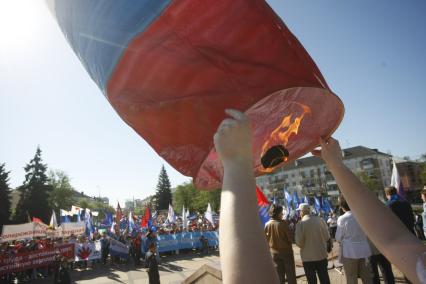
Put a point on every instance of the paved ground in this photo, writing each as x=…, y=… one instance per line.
x=175, y=268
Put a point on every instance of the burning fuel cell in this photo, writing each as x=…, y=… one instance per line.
x=170, y=68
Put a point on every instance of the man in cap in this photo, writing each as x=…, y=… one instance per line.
x=312, y=236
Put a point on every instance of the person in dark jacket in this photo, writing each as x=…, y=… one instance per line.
x=400, y=208
x=152, y=265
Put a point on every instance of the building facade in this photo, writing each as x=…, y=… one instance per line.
x=310, y=176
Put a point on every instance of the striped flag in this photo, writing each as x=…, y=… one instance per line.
x=263, y=204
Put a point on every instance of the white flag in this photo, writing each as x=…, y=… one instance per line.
x=53, y=222
x=209, y=214
x=76, y=210
x=396, y=180
x=184, y=218
x=171, y=216
x=65, y=212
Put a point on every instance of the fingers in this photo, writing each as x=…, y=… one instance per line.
x=316, y=153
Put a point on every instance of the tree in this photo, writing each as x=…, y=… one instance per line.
x=202, y=199
x=371, y=182
x=195, y=200
x=183, y=196
x=423, y=172
x=163, y=194
x=61, y=195
x=4, y=196
x=34, y=192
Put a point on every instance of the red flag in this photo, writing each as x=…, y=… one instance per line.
x=261, y=198
x=37, y=220
x=146, y=218
x=119, y=214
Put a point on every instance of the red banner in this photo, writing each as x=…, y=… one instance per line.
x=34, y=259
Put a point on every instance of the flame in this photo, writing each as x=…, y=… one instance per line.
x=284, y=131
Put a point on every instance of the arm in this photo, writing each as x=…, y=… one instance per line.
x=339, y=231
x=243, y=248
x=383, y=228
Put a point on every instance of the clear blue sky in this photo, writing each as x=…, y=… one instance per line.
x=372, y=54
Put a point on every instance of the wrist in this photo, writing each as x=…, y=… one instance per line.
x=335, y=164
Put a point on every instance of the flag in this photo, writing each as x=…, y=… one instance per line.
x=305, y=199
x=78, y=216
x=118, y=214
x=146, y=221
x=184, y=218
x=296, y=200
x=131, y=222
x=75, y=210
x=274, y=201
x=288, y=198
x=209, y=214
x=263, y=204
x=64, y=214
x=37, y=220
x=317, y=205
x=108, y=219
x=88, y=222
x=326, y=205
x=112, y=227
x=171, y=215
x=53, y=223
x=397, y=182
x=154, y=215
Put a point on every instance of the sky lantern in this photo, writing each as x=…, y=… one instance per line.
x=171, y=68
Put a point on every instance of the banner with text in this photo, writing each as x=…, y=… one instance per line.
x=23, y=231
x=34, y=259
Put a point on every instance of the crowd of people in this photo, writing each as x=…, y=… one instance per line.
x=142, y=250
x=315, y=232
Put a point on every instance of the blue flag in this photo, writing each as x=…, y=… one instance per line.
x=274, y=201
x=296, y=200
x=326, y=205
x=288, y=198
x=317, y=205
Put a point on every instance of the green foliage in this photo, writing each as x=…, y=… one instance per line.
x=61, y=196
x=195, y=200
x=371, y=182
x=4, y=196
x=183, y=196
x=34, y=192
x=163, y=194
x=423, y=172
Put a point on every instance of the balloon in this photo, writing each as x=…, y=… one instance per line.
x=170, y=68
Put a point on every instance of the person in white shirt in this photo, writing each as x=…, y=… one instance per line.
x=354, y=247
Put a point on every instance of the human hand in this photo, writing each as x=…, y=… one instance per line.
x=330, y=151
x=233, y=138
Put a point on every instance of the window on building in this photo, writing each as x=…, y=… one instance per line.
x=294, y=183
x=312, y=173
